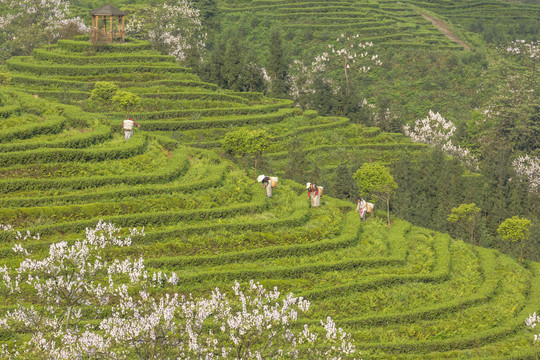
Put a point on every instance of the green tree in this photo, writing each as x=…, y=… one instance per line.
x=516, y=229
x=126, y=101
x=214, y=68
x=208, y=12
x=376, y=180
x=244, y=142
x=297, y=165
x=467, y=217
x=277, y=66
x=322, y=99
x=234, y=65
x=103, y=92
x=345, y=186
x=254, y=74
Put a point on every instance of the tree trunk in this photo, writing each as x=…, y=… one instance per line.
x=388, y=211
x=68, y=315
x=347, y=77
x=521, y=255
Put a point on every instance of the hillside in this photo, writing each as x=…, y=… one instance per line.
x=403, y=291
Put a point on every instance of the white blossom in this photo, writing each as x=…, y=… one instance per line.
x=251, y=322
x=528, y=168
x=177, y=28
x=435, y=130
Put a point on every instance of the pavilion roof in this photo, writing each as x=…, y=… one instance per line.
x=108, y=10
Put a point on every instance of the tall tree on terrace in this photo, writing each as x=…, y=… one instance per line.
x=297, y=165
x=209, y=13
x=376, y=180
x=516, y=229
x=277, y=66
x=466, y=216
x=103, y=92
x=234, y=65
x=244, y=142
x=345, y=186
x=213, y=69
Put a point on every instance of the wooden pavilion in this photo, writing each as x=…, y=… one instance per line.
x=104, y=16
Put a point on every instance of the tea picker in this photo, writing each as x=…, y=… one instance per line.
x=314, y=194
x=268, y=183
x=127, y=127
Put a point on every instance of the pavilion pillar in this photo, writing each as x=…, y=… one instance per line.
x=102, y=32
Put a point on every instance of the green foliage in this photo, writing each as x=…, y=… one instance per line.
x=376, y=180
x=515, y=229
x=244, y=142
x=103, y=92
x=466, y=216
x=125, y=101
x=5, y=79
x=277, y=66
x=345, y=186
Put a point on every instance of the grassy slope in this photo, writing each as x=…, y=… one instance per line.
x=208, y=221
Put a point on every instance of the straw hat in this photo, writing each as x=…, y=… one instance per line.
x=308, y=185
x=260, y=178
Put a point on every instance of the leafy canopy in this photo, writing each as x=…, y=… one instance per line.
x=103, y=91
x=126, y=101
x=246, y=142
x=516, y=229
x=466, y=216
x=375, y=180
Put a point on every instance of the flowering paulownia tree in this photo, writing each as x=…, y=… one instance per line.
x=78, y=305
x=172, y=27
x=436, y=131
x=26, y=24
x=530, y=51
x=69, y=279
x=347, y=57
x=531, y=322
x=528, y=168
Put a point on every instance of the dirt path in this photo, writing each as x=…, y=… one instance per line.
x=440, y=25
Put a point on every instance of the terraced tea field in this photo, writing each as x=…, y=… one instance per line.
x=388, y=23
x=403, y=292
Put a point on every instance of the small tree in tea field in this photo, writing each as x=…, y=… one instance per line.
x=126, y=101
x=466, y=216
x=245, y=142
x=376, y=180
x=516, y=229
x=103, y=92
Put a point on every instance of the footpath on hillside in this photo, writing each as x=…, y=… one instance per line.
x=441, y=26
